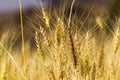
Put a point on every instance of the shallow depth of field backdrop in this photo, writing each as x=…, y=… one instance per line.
x=59, y=39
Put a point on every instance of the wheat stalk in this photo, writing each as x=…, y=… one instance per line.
x=39, y=47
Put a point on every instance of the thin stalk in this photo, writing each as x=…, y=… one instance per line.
x=13, y=60
x=70, y=13
x=22, y=32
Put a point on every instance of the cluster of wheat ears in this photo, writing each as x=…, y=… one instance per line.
x=64, y=51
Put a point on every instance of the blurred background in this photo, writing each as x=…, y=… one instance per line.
x=12, y=6
x=9, y=10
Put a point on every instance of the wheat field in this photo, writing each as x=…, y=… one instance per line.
x=65, y=49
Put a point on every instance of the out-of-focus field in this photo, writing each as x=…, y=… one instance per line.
x=60, y=44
